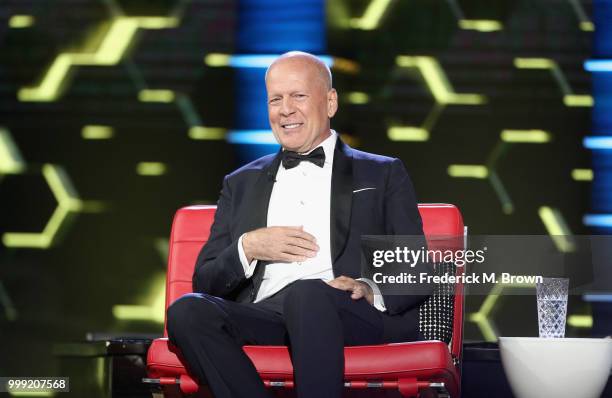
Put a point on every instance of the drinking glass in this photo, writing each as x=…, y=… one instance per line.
x=552, y=306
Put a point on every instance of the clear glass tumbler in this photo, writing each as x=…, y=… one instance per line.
x=552, y=306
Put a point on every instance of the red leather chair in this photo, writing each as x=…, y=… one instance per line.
x=407, y=368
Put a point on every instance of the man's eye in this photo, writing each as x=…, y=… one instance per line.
x=274, y=100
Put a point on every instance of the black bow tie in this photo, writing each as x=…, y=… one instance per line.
x=291, y=159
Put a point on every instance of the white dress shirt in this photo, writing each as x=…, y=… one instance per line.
x=301, y=197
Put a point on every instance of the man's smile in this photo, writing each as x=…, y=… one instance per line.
x=291, y=126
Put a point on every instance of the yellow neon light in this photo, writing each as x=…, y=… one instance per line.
x=11, y=161
x=582, y=174
x=113, y=46
x=569, y=99
x=156, y=95
x=134, y=312
x=157, y=22
x=372, y=15
x=525, y=136
x=357, y=97
x=534, y=63
x=437, y=82
x=68, y=203
x=32, y=394
x=580, y=321
x=100, y=371
x=345, y=65
x=481, y=25
x=110, y=52
x=206, y=133
x=351, y=140
x=216, y=59
x=587, y=26
x=21, y=21
x=153, y=311
x=150, y=168
x=162, y=246
x=557, y=228
x=577, y=100
x=93, y=206
x=468, y=171
x=61, y=187
x=552, y=221
x=406, y=133
x=97, y=132
x=482, y=317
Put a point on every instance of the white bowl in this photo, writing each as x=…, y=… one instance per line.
x=557, y=368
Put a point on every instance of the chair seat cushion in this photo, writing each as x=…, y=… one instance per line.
x=421, y=359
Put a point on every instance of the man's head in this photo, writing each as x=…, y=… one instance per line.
x=301, y=100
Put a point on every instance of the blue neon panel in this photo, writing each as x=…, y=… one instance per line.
x=601, y=142
x=277, y=26
x=264, y=60
x=248, y=153
x=251, y=99
x=253, y=137
x=597, y=298
x=598, y=220
x=601, y=188
x=598, y=65
x=264, y=28
x=602, y=15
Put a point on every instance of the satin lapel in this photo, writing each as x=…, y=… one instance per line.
x=341, y=198
x=259, y=198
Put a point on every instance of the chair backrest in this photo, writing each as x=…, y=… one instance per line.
x=190, y=231
x=439, y=221
x=191, y=228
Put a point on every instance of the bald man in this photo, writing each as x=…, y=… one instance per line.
x=282, y=265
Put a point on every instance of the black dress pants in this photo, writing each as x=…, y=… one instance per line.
x=313, y=318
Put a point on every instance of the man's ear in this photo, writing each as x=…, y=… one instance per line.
x=332, y=102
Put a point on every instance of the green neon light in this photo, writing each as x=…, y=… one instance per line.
x=68, y=203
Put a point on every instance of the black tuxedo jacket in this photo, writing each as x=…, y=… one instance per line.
x=388, y=209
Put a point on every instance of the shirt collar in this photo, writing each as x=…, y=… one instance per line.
x=329, y=144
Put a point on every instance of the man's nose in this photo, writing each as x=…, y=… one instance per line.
x=287, y=107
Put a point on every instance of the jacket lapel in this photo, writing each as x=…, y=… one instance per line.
x=341, y=198
x=258, y=198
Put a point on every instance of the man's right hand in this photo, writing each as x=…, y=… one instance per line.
x=279, y=244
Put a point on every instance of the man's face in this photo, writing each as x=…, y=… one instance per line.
x=299, y=104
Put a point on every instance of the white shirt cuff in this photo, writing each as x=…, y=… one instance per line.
x=249, y=269
x=379, y=301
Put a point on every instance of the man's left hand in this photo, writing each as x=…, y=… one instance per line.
x=358, y=288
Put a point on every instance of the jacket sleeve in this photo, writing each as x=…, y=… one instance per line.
x=402, y=218
x=218, y=270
